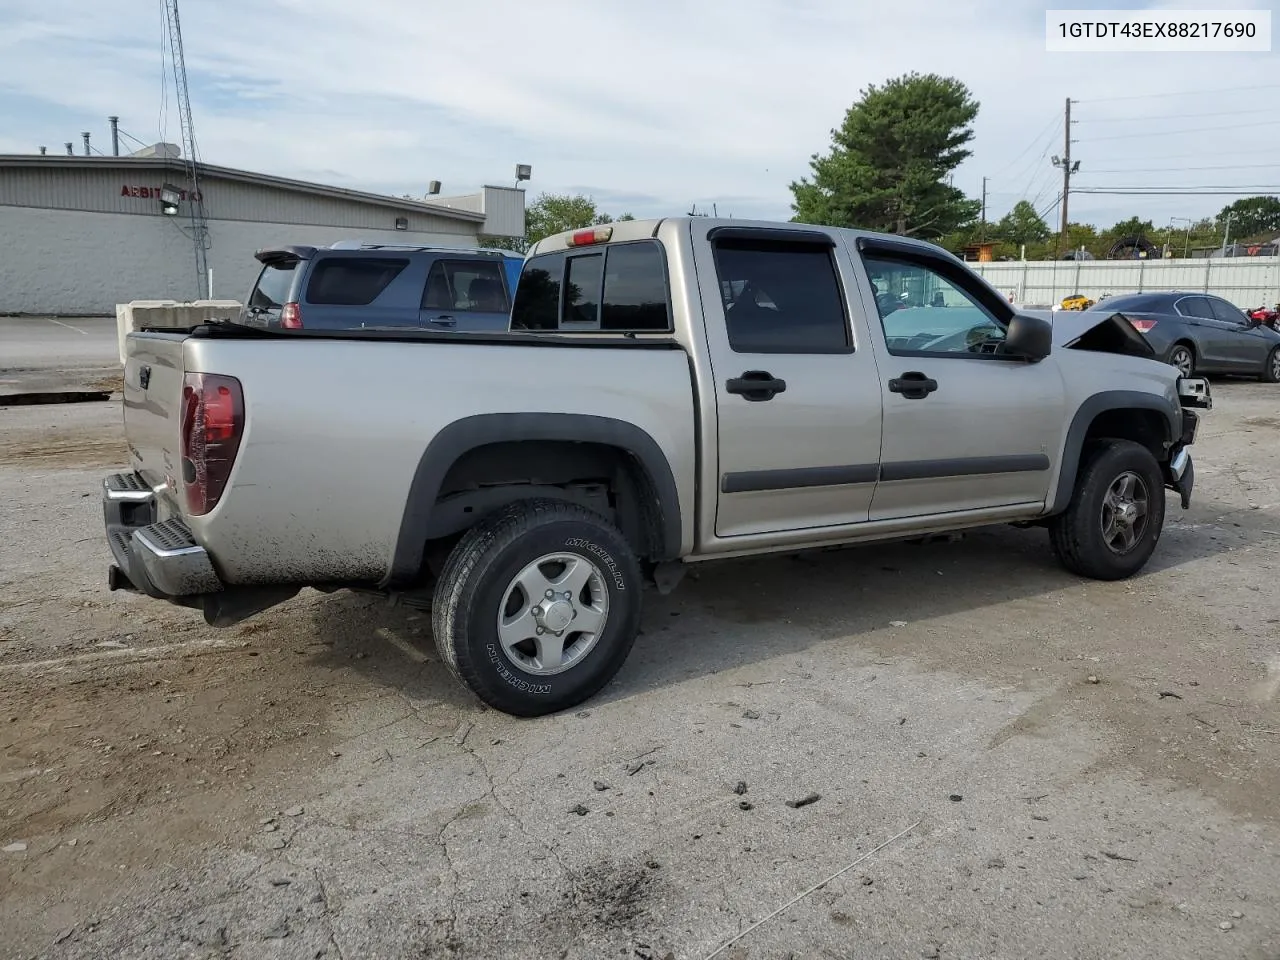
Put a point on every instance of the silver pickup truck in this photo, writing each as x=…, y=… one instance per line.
x=671, y=392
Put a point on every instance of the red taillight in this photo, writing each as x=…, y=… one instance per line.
x=1143, y=326
x=212, y=424
x=291, y=316
x=582, y=238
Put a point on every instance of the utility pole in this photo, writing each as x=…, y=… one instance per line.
x=984, y=209
x=1068, y=168
x=1227, y=232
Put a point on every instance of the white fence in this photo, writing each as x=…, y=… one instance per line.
x=1245, y=281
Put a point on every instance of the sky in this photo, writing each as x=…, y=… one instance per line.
x=649, y=107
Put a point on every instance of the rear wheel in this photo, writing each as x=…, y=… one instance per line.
x=1184, y=358
x=1271, y=370
x=537, y=607
x=1113, y=523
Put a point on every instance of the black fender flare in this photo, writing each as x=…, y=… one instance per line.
x=470, y=433
x=1086, y=413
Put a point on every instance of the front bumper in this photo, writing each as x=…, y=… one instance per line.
x=157, y=557
x=1180, y=474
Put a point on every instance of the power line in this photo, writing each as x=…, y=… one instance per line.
x=1197, y=186
x=1192, y=156
x=1037, y=172
x=1034, y=170
x=1176, y=116
x=1238, y=166
x=1170, y=133
x=1174, y=193
x=1180, y=93
x=1046, y=130
x=1044, y=212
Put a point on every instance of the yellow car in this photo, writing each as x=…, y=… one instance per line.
x=1077, y=302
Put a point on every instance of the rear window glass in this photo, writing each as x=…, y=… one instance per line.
x=635, y=289
x=351, y=281
x=273, y=285
x=465, y=286
x=621, y=289
x=582, y=290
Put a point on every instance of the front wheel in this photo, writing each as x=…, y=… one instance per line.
x=1271, y=370
x=1113, y=523
x=537, y=607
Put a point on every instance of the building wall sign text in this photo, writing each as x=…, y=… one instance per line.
x=153, y=193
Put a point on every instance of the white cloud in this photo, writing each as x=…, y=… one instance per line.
x=651, y=106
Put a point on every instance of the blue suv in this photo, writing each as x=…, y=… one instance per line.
x=354, y=286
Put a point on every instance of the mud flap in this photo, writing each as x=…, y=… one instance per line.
x=1184, y=486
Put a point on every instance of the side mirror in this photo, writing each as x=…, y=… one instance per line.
x=1030, y=338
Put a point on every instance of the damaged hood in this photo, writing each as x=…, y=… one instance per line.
x=1095, y=330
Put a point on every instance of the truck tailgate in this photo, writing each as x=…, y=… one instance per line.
x=153, y=375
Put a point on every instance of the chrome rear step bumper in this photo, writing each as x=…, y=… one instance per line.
x=159, y=558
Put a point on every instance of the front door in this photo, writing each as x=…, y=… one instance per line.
x=965, y=428
x=797, y=395
x=1243, y=343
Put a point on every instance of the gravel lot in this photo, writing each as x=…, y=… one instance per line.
x=1086, y=769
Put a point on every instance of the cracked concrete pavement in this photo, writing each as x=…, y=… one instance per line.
x=1093, y=766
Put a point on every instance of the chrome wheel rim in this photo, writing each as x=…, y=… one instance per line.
x=1126, y=510
x=1275, y=365
x=1182, y=360
x=552, y=613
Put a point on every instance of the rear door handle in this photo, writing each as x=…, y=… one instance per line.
x=445, y=320
x=756, y=385
x=913, y=385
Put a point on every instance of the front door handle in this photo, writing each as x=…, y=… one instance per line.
x=913, y=385
x=444, y=320
x=756, y=385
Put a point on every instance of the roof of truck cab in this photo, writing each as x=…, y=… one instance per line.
x=635, y=229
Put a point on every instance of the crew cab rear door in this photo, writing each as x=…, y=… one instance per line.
x=797, y=396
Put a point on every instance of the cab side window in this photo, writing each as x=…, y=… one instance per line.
x=781, y=296
x=925, y=314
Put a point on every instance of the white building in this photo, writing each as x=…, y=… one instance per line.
x=80, y=234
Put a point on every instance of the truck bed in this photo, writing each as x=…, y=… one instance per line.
x=337, y=423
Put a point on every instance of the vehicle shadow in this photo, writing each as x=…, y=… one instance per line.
x=735, y=613
x=728, y=614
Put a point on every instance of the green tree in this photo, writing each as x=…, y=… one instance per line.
x=1133, y=227
x=1253, y=217
x=1022, y=225
x=889, y=160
